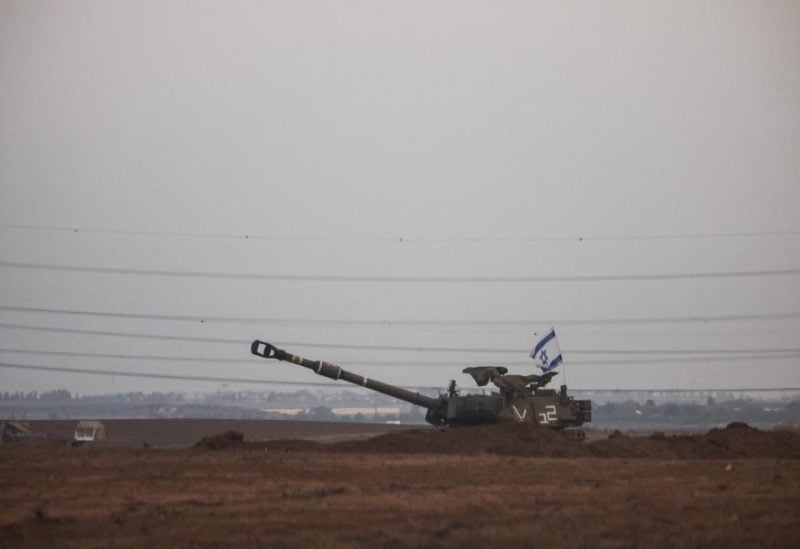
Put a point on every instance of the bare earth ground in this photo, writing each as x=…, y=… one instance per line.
x=185, y=432
x=462, y=487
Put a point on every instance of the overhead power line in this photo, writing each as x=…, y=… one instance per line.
x=162, y=376
x=134, y=335
x=397, y=279
x=397, y=239
x=159, y=358
x=403, y=323
x=333, y=384
x=679, y=390
x=427, y=364
x=395, y=348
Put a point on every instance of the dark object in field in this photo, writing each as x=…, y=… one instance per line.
x=13, y=431
x=223, y=441
x=521, y=399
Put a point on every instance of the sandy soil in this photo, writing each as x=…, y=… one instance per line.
x=368, y=493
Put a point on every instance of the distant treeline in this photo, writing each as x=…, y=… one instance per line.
x=711, y=413
x=57, y=395
x=307, y=405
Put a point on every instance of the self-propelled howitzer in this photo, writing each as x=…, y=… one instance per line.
x=521, y=399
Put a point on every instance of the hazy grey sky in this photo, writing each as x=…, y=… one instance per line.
x=401, y=139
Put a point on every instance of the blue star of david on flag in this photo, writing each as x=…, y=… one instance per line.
x=547, y=353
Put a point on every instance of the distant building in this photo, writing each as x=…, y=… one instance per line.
x=89, y=431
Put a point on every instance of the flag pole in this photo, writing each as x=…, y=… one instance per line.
x=563, y=364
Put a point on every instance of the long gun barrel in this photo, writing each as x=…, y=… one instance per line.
x=332, y=371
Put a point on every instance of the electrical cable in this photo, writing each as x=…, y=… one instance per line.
x=333, y=384
x=439, y=363
x=398, y=279
x=161, y=376
x=423, y=323
x=396, y=239
x=392, y=348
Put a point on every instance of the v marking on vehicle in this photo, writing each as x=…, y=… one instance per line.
x=520, y=417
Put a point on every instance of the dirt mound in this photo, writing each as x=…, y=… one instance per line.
x=223, y=441
x=505, y=438
x=738, y=440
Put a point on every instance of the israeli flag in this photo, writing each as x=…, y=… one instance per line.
x=547, y=353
